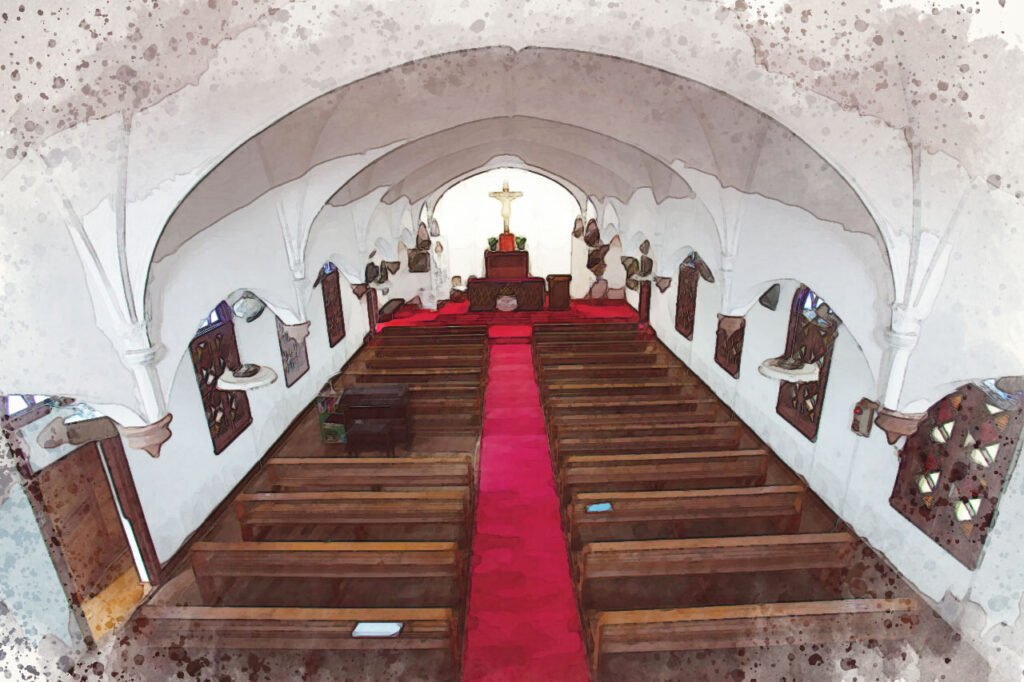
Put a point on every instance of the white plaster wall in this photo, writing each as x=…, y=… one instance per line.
x=179, y=489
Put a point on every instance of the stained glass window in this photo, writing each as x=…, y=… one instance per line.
x=214, y=351
x=813, y=328
x=952, y=470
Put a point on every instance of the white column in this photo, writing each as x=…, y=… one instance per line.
x=900, y=338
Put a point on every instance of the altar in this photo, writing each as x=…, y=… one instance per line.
x=506, y=274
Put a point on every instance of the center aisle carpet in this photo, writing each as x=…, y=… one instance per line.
x=522, y=624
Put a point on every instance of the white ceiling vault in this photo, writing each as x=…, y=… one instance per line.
x=133, y=134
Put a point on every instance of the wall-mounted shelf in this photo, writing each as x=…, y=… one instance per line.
x=778, y=369
x=229, y=382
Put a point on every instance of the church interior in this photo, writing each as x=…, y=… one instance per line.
x=511, y=341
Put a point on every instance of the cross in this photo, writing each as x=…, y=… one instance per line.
x=506, y=197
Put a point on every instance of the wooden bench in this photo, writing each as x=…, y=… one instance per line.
x=439, y=351
x=589, y=373
x=449, y=330
x=612, y=405
x=637, y=424
x=294, y=629
x=660, y=438
x=361, y=574
x=667, y=514
x=453, y=375
x=680, y=471
x=441, y=514
x=664, y=388
x=458, y=360
x=595, y=357
x=755, y=625
x=412, y=342
x=571, y=328
x=618, y=564
x=378, y=473
x=543, y=348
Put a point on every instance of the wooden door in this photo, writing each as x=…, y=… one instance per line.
x=80, y=506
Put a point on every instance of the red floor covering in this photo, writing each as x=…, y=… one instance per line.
x=458, y=313
x=522, y=623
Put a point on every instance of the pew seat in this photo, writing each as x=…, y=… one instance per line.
x=295, y=629
x=746, y=626
x=608, y=573
x=440, y=514
x=669, y=514
x=329, y=574
x=677, y=471
x=365, y=473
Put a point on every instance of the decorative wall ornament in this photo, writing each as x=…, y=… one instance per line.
x=770, y=298
x=898, y=424
x=330, y=286
x=214, y=352
x=729, y=343
x=150, y=437
x=863, y=412
x=954, y=466
x=249, y=306
x=686, y=296
x=813, y=328
x=294, y=357
x=419, y=257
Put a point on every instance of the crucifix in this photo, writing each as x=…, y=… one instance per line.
x=506, y=197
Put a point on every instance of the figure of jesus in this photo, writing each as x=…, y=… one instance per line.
x=506, y=197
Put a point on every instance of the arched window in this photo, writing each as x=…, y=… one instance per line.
x=813, y=328
x=330, y=287
x=213, y=352
x=952, y=469
x=686, y=295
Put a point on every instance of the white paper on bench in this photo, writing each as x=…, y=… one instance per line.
x=377, y=629
x=599, y=507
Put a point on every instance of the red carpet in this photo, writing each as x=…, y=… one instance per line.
x=522, y=623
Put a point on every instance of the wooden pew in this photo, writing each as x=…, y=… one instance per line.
x=617, y=566
x=457, y=360
x=660, y=438
x=595, y=337
x=439, y=351
x=365, y=473
x=582, y=346
x=596, y=357
x=440, y=514
x=598, y=372
x=362, y=574
x=699, y=410
x=578, y=328
x=636, y=424
x=449, y=375
x=665, y=514
x=297, y=629
x=611, y=405
x=681, y=471
x=439, y=331
x=755, y=625
x=432, y=342
x=663, y=388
